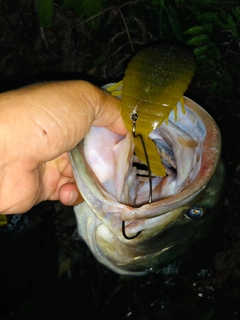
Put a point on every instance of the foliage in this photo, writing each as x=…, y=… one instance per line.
x=210, y=29
x=45, y=12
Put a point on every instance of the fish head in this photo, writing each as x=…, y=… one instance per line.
x=126, y=232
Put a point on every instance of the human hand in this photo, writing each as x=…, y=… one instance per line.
x=39, y=124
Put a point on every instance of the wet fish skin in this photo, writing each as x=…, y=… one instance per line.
x=167, y=230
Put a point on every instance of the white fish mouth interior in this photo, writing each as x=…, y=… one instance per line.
x=179, y=143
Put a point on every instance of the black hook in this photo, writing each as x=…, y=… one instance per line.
x=134, y=118
x=124, y=233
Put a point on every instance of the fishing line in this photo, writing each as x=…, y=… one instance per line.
x=134, y=118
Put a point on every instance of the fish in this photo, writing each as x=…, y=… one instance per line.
x=124, y=231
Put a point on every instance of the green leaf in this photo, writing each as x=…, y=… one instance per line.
x=198, y=40
x=200, y=51
x=159, y=3
x=195, y=30
x=91, y=7
x=45, y=12
x=174, y=21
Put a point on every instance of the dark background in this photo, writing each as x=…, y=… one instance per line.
x=44, y=269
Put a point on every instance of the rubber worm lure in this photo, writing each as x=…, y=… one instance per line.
x=154, y=81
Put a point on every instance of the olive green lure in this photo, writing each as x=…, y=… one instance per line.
x=154, y=81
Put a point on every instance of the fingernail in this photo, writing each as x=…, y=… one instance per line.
x=73, y=196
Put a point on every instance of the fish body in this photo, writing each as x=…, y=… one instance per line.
x=185, y=201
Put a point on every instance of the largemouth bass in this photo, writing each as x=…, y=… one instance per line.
x=123, y=230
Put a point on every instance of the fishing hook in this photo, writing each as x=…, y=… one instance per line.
x=134, y=118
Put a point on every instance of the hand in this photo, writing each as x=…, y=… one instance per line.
x=38, y=125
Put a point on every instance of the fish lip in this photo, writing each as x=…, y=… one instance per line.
x=210, y=159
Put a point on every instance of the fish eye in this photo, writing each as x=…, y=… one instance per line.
x=195, y=212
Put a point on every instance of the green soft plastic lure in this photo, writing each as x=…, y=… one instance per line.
x=154, y=81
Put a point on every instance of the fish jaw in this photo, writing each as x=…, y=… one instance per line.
x=111, y=196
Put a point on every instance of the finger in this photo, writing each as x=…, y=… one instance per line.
x=108, y=113
x=69, y=194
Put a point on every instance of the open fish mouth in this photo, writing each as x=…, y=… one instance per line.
x=115, y=186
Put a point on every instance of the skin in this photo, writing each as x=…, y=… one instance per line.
x=38, y=125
